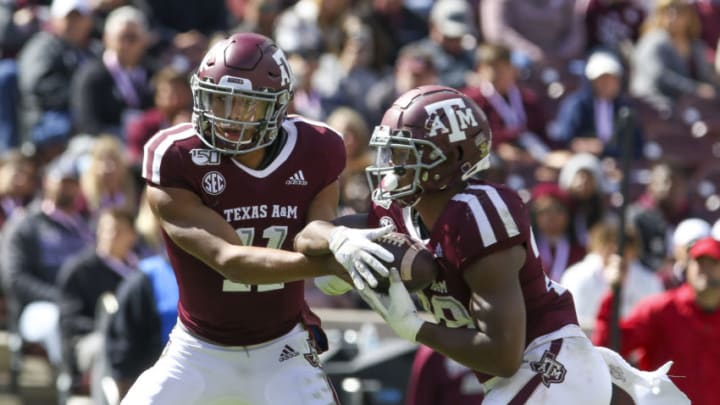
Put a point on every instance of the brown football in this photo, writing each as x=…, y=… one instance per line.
x=413, y=261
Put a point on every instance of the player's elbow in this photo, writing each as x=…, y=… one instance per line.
x=508, y=355
x=508, y=364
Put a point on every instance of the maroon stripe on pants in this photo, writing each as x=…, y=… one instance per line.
x=523, y=395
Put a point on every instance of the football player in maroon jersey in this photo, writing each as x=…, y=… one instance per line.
x=232, y=189
x=496, y=311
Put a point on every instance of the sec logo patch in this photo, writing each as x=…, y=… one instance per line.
x=213, y=183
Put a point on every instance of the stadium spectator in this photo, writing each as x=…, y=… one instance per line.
x=451, y=41
x=110, y=91
x=709, y=15
x=146, y=310
x=589, y=119
x=258, y=16
x=34, y=248
x=589, y=279
x=435, y=379
x=545, y=31
x=551, y=215
x=685, y=235
x=326, y=15
x=173, y=104
x=582, y=178
x=656, y=212
x=393, y=26
x=106, y=180
x=172, y=18
x=678, y=325
x=670, y=60
x=515, y=113
x=354, y=191
x=82, y=279
x=18, y=183
x=232, y=190
x=46, y=65
x=415, y=66
x=146, y=313
x=613, y=25
x=342, y=78
x=303, y=46
x=19, y=20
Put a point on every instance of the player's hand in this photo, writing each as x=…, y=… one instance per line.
x=355, y=250
x=332, y=285
x=397, y=308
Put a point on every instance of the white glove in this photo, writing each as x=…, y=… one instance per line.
x=399, y=309
x=355, y=250
x=332, y=285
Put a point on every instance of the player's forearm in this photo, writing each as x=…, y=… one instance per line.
x=255, y=265
x=498, y=356
x=313, y=239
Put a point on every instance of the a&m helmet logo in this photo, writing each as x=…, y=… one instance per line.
x=459, y=117
x=286, y=77
x=213, y=183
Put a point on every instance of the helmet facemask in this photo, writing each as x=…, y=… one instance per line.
x=234, y=119
x=399, y=167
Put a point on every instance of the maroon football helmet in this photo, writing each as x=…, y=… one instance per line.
x=434, y=134
x=241, y=92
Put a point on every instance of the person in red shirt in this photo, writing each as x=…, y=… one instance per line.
x=682, y=325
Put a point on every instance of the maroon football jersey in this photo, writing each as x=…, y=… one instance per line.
x=483, y=219
x=267, y=208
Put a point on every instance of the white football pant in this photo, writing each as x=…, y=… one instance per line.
x=191, y=371
x=562, y=367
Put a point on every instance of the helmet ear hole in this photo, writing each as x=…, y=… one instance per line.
x=459, y=153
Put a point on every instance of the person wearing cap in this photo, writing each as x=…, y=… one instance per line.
x=451, y=41
x=682, y=325
x=589, y=119
x=46, y=65
x=34, y=247
x=685, y=235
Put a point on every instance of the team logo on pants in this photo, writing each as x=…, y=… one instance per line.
x=551, y=371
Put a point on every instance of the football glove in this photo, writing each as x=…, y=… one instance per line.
x=355, y=250
x=332, y=285
x=397, y=308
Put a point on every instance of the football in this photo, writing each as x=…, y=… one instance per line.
x=413, y=260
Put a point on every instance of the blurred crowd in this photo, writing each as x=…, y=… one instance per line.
x=602, y=114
